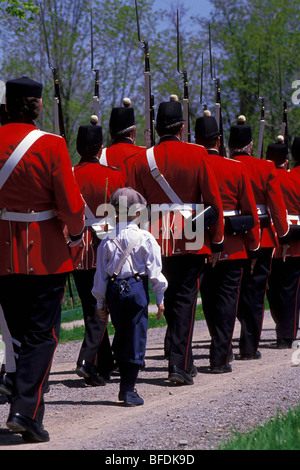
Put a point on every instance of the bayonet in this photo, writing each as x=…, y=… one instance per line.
x=185, y=101
x=284, y=124
x=58, y=114
x=218, y=106
x=149, y=98
x=201, y=86
x=96, y=105
x=262, y=115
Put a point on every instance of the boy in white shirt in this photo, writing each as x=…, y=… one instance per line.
x=121, y=287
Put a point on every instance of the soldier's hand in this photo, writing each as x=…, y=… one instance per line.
x=214, y=259
x=284, y=251
x=253, y=262
x=102, y=312
x=160, y=311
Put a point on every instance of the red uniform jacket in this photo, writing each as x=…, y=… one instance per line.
x=91, y=177
x=42, y=180
x=267, y=192
x=121, y=155
x=290, y=185
x=236, y=194
x=186, y=168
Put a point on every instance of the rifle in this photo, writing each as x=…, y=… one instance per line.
x=149, y=98
x=96, y=105
x=262, y=116
x=58, y=114
x=185, y=101
x=284, y=124
x=218, y=106
x=201, y=87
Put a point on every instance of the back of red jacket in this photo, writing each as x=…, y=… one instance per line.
x=96, y=182
x=268, y=197
x=43, y=180
x=186, y=168
x=290, y=185
x=121, y=155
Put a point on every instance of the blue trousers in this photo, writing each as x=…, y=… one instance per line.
x=127, y=302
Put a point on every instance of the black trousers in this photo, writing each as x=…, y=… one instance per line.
x=32, y=308
x=95, y=348
x=252, y=301
x=182, y=273
x=284, y=296
x=220, y=289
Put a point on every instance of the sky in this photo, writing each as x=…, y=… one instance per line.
x=197, y=7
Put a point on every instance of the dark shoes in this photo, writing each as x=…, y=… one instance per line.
x=30, y=429
x=90, y=374
x=131, y=398
x=220, y=369
x=284, y=343
x=6, y=384
x=246, y=356
x=179, y=376
x=193, y=371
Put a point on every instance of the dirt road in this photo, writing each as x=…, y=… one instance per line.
x=178, y=418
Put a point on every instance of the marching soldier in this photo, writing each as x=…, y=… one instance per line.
x=123, y=149
x=284, y=281
x=221, y=285
x=183, y=169
x=270, y=205
x=9, y=364
x=96, y=182
x=38, y=197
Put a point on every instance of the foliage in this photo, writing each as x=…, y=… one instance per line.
x=279, y=433
x=25, y=11
x=240, y=29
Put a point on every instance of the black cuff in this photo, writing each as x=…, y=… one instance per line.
x=285, y=239
x=253, y=254
x=217, y=247
x=74, y=238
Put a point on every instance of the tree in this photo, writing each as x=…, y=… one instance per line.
x=240, y=29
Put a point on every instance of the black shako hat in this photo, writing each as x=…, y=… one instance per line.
x=240, y=135
x=169, y=112
x=296, y=149
x=206, y=128
x=89, y=140
x=121, y=118
x=277, y=152
x=23, y=87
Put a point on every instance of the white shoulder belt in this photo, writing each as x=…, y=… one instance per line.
x=7, y=170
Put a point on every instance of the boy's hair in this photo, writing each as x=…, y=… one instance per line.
x=25, y=109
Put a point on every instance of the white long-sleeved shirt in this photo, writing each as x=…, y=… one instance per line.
x=146, y=260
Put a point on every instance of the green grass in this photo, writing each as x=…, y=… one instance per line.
x=77, y=332
x=279, y=433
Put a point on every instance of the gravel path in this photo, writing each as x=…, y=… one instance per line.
x=178, y=418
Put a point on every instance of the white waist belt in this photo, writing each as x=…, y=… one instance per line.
x=173, y=207
x=231, y=213
x=26, y=216
x=294, y=218
x=261, y=209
